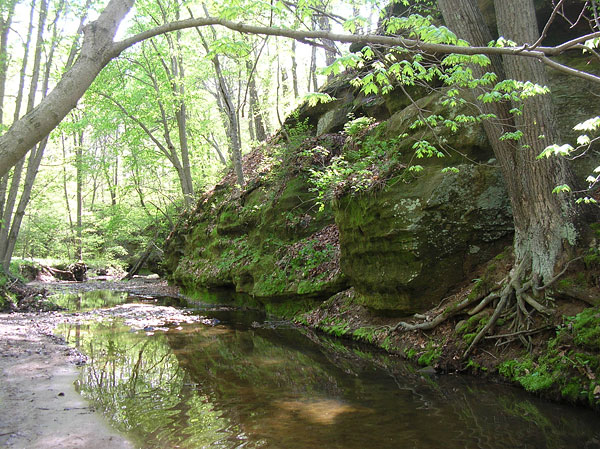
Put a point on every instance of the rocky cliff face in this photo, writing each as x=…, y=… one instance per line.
x=401, y=239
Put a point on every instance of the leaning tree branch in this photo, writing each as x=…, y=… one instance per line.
x=540, y=53
x=569, y=44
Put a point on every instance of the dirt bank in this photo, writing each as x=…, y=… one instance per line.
x=40, y=407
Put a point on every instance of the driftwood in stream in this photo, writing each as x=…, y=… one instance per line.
x=79, y=270
x=62, y=275
x=141, y=261
x=76, y=272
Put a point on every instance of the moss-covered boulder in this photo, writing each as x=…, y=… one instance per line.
x=403, y=248
x=267, y=240
x=401, y=238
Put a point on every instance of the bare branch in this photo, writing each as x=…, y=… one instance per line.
x=547, y=26
x=569, y=44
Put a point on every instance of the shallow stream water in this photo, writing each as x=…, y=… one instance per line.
x=238, y=380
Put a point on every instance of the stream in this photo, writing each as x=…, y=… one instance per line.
x=236, y=379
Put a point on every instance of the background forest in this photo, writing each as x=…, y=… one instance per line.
x=160, y=124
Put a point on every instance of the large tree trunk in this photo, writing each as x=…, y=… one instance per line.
x=545, y=223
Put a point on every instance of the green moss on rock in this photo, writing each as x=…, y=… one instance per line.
x=569, y=366
x=403, y=247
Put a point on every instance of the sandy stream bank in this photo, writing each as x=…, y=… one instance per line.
x=39, y=407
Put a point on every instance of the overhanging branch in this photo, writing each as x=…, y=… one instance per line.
x=541, y=53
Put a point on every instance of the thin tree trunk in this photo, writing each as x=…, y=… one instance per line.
x=66, y=192
x=277, y=94
x=116, y=177
x=78, y=141
x=255, y=111
x=312, y=71
x=5, y=24
x=251, y=124
x=135, y=174
x=35, y=157
x=36, y=154
x=330, y=56
x=233, y=126
x=213, y=143
x=7, y=215
x=294, y=71
x=17, y=112
x=181, y=116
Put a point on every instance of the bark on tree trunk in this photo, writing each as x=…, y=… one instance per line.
x=36, y=155
x=232, y=125
x=330, y=52
x=312, y=71
x=66, y=192
x=15, y=184
x=294, y=71
x=181, y=117
x=78, y=141
x=225, y=100
x=545, y=223
x=255, y=113
x=35, y=158
x=5, y=24
x=19, y=98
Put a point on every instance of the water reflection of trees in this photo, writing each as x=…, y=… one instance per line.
x=94, y=299
x=137, y=382
x=222, y=386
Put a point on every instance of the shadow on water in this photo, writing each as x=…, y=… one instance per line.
x=250, y=383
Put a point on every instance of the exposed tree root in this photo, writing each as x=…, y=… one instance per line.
x=516, y=299
x=450, y=311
